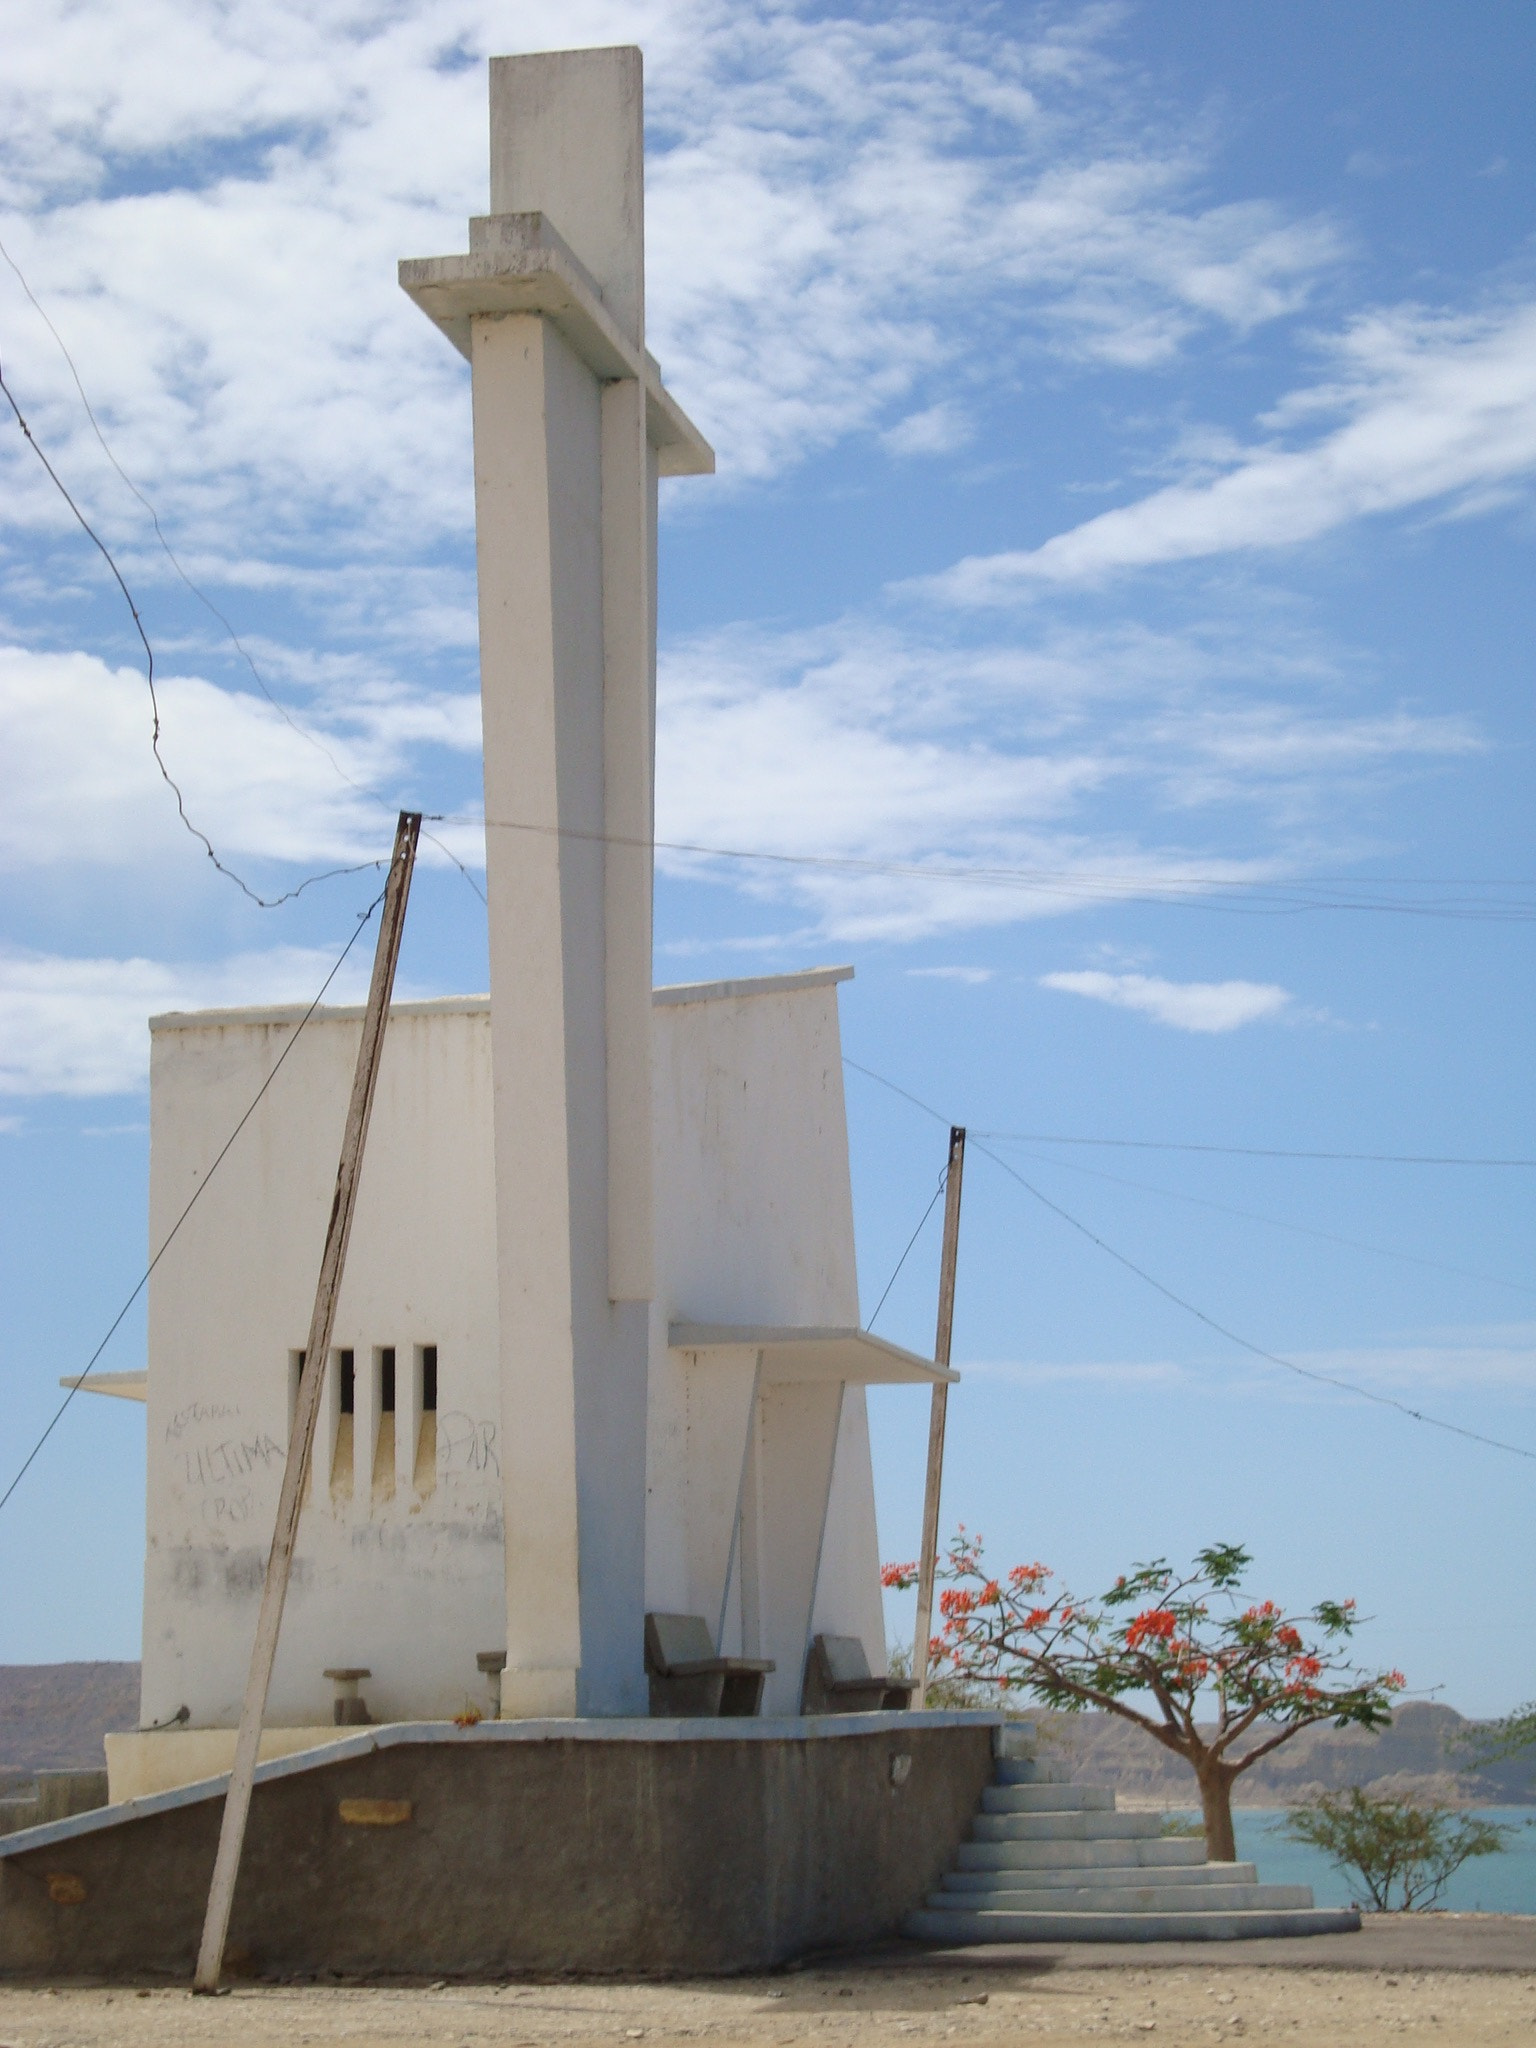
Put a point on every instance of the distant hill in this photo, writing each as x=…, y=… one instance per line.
x=53, y=1716
x=1416, y=1758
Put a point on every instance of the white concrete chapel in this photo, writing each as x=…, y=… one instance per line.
x=597, y=1352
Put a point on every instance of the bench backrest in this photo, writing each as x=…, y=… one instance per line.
x=843, y=1658
x=677, y=1639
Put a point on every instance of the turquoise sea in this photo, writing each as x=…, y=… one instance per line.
x=1505, y=1883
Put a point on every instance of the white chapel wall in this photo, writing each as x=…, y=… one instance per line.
x=755, y=1226
x=400, y=1561
x=401, y=1570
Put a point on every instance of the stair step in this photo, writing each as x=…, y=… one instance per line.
x=1101, y=1826
x=1159, y=1850
x=954, y=1929
x=1212, y=1897
x=1047, y=1799
x=980, y=1885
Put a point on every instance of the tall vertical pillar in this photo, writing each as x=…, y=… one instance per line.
x=571, y=429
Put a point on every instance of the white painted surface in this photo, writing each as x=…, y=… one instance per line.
x=565, y=487
x=567, y=140
x=552, y=1178
x=753, y=1186
x=851, y=1356
x=230, y=1304
x=751, y=1168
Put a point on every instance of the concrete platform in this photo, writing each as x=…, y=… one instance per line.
x=650, y=1847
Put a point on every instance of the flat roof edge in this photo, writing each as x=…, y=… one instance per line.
x=750, y=985
x=462, y=1006
x=337, y=1013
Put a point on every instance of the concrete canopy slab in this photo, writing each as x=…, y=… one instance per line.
x=788, y=1355
x=128, y=1386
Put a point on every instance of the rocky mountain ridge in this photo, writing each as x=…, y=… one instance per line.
x=1420, y=1757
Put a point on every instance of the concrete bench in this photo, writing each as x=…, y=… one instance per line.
x=838, y=1680
x=688, y=1678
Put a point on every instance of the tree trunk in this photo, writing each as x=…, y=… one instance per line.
x=1216, y=1805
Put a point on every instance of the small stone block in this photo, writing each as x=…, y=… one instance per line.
x=375, y=1813
x=1014, y=1741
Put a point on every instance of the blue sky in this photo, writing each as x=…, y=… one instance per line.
x=1126, y=420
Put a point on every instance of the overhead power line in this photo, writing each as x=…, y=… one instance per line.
x=172, y=557
x=911, y=1241
x=197, y=1195
x=1194, y=891
x=1355, y=1244
x=1210, y=891
x=1250, y=1151
x=262, y=902
x=1290, y=1365
x=304, y=732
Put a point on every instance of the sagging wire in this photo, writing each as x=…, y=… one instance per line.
x=911, y=1241
x=363, y=920
x=1179, y=1301
x=262, y=902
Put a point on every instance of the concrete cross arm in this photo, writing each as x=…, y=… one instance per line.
x=520, y=263
x=853, y=1357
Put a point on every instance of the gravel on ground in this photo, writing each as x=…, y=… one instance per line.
x=988, y=1998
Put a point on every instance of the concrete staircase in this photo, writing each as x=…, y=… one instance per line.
x=1049, y=1862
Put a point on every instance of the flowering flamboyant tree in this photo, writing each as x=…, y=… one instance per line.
x=1186, y=1639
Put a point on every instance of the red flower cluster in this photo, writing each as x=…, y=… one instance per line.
x=897, y=1577
x=1156, y=1625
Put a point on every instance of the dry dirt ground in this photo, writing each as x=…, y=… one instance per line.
x=1033, y=2000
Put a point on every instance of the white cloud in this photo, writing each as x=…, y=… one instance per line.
x=1099, y=1373
x=1211, y=1006
x=80, y=1026
x=931, y=787
x=210, y=200
x=1500, y=1358
x=973, y=977
x=84, y=786
x=937, y=430
x=1433, y=410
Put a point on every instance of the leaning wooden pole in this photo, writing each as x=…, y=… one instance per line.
x=928, y=1558
x=237, y=1800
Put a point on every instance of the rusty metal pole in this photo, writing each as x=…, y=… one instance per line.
x=928, y=1557
x=237, y=1800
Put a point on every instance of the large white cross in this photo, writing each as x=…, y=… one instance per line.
x=571, y=429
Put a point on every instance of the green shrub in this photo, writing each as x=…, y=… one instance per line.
x=1404, y=1855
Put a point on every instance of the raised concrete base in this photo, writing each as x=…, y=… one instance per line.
x=158, y=1760
x=423, y=1848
